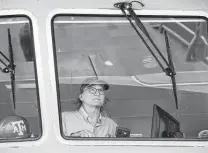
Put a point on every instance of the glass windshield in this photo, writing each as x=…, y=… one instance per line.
x=19, y=104
x=108, y=48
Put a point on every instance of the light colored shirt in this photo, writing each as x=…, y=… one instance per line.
x=75, y=121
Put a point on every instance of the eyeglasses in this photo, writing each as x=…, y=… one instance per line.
x=93, y=90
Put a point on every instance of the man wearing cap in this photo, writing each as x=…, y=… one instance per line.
x=87, y=121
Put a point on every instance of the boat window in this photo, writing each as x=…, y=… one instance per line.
x=110, y=85
x=19, y=102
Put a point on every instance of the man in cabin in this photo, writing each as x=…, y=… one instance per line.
x=87, y=121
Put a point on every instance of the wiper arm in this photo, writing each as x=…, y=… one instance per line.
x=6, y=68
x=170, y=68
x=9, y=68
x=128, y=6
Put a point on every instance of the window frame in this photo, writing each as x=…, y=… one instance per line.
x=55, y=82
x=37, y=74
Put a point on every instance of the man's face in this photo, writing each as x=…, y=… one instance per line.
x=93, y=96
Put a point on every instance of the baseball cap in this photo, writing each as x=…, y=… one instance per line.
x=14, y=126
x=93, y=81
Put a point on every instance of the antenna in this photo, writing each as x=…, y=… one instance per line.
x=92, y=65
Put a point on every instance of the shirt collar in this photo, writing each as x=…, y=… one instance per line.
x=86, y=116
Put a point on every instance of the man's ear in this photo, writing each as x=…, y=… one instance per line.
x=80, y=97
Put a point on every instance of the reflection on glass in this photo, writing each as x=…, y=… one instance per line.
x=109, y=49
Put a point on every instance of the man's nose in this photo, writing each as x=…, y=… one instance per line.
x=97, y=93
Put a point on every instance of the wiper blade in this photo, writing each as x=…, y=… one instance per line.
x=172, y=72
x=11, y=68
x=170, y=68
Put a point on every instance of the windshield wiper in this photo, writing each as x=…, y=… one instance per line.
x=172, y=73
x=9, y=68
x=169, y=71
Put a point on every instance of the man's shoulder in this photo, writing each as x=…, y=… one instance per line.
x=69, y=114
x=110, y=121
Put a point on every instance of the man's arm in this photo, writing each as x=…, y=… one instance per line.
x=83, y=133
